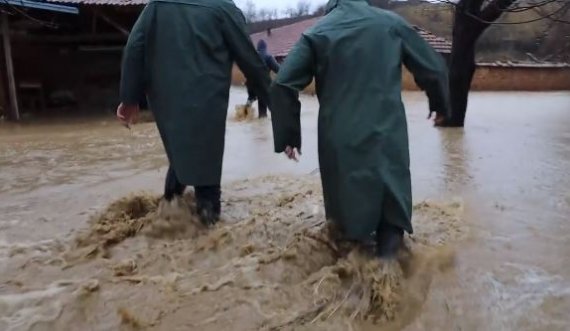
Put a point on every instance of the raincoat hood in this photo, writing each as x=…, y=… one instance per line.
x=332, y=4
x=262, y=46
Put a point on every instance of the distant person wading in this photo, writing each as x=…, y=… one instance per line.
x=272, y=65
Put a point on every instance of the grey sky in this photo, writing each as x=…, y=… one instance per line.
x=277, y=4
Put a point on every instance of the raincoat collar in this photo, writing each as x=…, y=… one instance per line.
x=332, y=4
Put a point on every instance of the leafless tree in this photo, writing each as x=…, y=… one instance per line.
x=303, y=8
x=264, y=14
x=471, y=19
x=289, y=12
x=250, y=11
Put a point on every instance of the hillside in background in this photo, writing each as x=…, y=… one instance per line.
x=544, y=40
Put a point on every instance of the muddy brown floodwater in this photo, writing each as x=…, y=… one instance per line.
x=85, y=243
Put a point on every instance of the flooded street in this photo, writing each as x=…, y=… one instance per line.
x=508, y=170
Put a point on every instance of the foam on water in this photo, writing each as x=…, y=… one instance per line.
x=271, y=264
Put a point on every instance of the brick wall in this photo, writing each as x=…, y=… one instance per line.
x=512, y=79
x=491, y=79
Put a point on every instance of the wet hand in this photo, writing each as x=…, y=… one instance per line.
x=292, y=153
x=127, y=114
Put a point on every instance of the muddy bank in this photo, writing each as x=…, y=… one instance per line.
x=271, y=264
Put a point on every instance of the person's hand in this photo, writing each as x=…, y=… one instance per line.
x=127, y=114
x=292, y=152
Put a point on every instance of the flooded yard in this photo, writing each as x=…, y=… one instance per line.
x=492, y=212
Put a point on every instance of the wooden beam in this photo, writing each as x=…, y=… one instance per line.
x=94, y=22
x=70, y=38
x=3, y=103
x=13, y=96
x=118, y=48
x=112, y=23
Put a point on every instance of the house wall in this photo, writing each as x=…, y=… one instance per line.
x=93, y=77
x=490, y=79
x=511, y=79
x=522, y=79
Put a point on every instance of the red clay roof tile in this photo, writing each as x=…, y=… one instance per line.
x=282, y=39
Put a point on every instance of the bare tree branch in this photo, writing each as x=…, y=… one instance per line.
x=494, y=9
x=491, y=16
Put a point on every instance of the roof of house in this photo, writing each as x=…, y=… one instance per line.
x=103, y=2
x=41, y=5
x=281, y=40
x=531, y=65
x=441, y=45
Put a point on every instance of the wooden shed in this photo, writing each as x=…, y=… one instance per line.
x=64, y=62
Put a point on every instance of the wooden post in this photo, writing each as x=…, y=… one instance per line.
x=13, y=96
x=3, y=100
x=112, y=23
x=94, y=22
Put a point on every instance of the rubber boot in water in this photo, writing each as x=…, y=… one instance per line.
x=208, y=203
x=389, y=241
x=208, y=213
x=172, y=187
x=262, y=109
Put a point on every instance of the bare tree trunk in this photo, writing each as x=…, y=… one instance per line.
x=466, y=31
x=462, y=70
x=470, y=21
x=14, y=113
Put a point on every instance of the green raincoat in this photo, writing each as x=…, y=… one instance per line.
x=180, y=53
x=355, y=53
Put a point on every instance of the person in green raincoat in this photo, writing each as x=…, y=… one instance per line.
x=355, y=54
x=180, y=54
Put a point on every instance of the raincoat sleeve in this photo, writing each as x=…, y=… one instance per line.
x=245, y=55
x=296, y=73
x=272, y=64
x=427, y=67
x=132, y=86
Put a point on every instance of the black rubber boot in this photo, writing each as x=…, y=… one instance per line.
x=172, y=187
x=207, y=214
x=389, y=241
x=208, y=203
x=262, y=109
